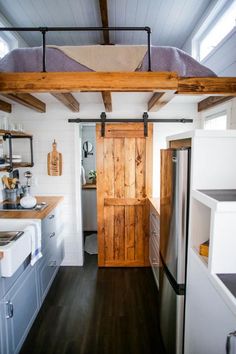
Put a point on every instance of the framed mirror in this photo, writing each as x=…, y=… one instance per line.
x=88, y=148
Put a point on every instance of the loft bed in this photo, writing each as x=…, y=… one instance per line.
x=165, y=82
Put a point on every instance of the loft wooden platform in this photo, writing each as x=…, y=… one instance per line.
x=19, y=87
x=115, y=81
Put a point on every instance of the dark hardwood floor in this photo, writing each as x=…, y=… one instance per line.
x=98, y=311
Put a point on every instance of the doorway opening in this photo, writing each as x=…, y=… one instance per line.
x=89, y=193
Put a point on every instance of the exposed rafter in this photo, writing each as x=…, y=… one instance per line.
x=104, y=19
x=159, y=99
x=27, y=100
x=212, y=101
x=106, y=96
x=5, y=106
x=68, y=100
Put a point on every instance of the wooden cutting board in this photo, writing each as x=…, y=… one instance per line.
x=54, y=161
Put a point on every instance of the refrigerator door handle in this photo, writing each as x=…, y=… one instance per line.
x=178, y=288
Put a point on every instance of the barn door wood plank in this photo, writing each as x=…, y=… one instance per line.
x=100, y=196
x=109, y=212
x=129, y=167
x=130, y=232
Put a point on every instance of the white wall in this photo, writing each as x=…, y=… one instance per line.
x=162, y=130
x=53, y=125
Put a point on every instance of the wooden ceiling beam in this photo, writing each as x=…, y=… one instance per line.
x=68, y=100
x=115, y=81
x=159, y=100
x=106, y=96
x=104, y=19
x=27, y=100
x=5, y=106
x=212, y=101
x=88, y=81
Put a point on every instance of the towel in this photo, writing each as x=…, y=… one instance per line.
x=83, y=179
x=106, y=57
x=35, y=233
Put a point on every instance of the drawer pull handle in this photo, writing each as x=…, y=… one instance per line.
x=10, y=309
x=52, y=216
x=228, y=340
x=52, y=234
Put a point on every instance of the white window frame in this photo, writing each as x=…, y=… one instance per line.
x=206, y=26
x=9, y=37
x=217, y=110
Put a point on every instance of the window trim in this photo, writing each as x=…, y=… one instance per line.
x=216, y=111
x=206, y=26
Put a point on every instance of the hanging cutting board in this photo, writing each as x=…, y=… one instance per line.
x=54, y=161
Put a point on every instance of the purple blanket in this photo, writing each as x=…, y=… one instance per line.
x=163, y=59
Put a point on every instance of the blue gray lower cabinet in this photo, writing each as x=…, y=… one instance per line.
x=23, y=294
x=21, y=308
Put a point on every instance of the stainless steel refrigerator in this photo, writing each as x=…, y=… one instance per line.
x=175, y=167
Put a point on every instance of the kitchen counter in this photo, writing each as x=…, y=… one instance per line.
x=229, y=280
x=155, y=202
x=51, y=202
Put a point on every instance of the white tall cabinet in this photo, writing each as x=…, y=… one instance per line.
x=210, y=306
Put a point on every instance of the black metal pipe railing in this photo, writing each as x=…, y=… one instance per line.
x=43, y=30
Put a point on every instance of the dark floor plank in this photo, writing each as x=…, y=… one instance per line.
x=98, y=311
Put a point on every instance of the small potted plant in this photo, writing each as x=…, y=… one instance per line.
x=92, y=176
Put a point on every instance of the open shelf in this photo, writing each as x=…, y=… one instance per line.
x=9, y=135
x=15, y=133
x=203, y=259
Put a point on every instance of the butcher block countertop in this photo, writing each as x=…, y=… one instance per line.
x=51, y=202
x=155, y=202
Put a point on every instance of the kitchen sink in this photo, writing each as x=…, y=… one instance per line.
x=8, y=236
x=221, y=195
x=15, y=243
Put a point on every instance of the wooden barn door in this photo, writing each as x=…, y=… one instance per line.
x=124, y=181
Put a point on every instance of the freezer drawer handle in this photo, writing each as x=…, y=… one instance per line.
x=10, y=309
x=52, y=234
x=228, y=341
x=51, y=216
x=52, y=263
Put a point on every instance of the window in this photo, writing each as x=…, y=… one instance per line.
x=4, y=47
x=218, y=30
x=216, y=121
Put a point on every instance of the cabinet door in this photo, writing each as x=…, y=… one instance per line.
x=3, y=342
x=208, y=319
x=21, y=307
x=46, y=273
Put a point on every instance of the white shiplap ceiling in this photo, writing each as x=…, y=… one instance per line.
x=171, y=21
